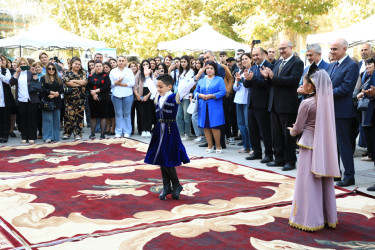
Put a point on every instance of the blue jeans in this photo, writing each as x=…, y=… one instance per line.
x=123, y=107
x=243, y=125
x=184, y=118
x=194, y=119
x=51, y=125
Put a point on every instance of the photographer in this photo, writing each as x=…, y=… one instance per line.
x=28, y=102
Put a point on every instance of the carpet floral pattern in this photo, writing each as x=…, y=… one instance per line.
x=100, y=195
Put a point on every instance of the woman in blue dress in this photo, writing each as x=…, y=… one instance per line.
x=166, y=148
x=210, y=92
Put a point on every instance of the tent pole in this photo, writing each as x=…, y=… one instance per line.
x=20, y=51
x=72, y=52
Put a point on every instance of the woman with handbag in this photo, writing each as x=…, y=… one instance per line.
x=27, y=98
x=51, y=104
x=75, y=97
x=98, y=86
x=366, y=107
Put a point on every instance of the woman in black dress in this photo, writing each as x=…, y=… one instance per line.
x=98, y=86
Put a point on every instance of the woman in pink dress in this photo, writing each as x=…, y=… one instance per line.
x=314, y=201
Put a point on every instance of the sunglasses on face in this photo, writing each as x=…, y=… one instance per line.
x=51, y=69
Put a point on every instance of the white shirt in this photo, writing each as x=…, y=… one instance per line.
x=241, y=92
x=341, y=60
x=363, y=67
x=184, y=78
x=3, y=79
x=183, y=89
x=23, y=91
x=128, y=78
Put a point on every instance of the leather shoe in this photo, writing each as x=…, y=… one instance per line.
x=372, y=188
x=166, y=190
x=267, y=159
x=254, y=157
x=176, y=193
x=288, y=167
x=204, y=144
x=275, y=164
x=345, y=183
x=337, y=179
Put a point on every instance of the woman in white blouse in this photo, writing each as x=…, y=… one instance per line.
x=241, y=103
x=183, y=117
x=122, y=80
x=27, y=102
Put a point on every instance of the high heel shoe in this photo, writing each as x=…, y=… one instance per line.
x=209, y=150
x=219, y=151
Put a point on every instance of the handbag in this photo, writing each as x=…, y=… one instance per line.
x=47, y=105
x=363, y=104
x=34, y=87
x=193, y=106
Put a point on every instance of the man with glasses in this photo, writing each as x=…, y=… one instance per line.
x=283, y=104
x=314, y=54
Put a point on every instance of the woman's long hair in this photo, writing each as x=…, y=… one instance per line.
x=142, y=73
x=56, y=77
x=200, y=60
x=181, y=70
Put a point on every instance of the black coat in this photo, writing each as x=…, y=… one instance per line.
x=283, y=94
x=34, y=97
x=8, y=97
x=99, y=81
x=55, y=87
x=259, y=93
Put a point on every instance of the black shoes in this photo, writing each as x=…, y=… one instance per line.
x=204, y=144
x=176, y=192
x=13, y=135
x=240, y=144
x=288, y=167
x=102, y=137
x=267, y=159
x=3, y=140
x=275, y=164
x=166, y=190
x=345, y=183
x=372, y=188
x=254, y=157
x=92, y=136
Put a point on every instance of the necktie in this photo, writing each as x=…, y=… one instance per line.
x=281, y=67
x=334, y=68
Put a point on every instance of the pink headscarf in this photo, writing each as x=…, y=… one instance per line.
x=324, y=158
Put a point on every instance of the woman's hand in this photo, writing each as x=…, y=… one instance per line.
x=93, y=92
x=95, y=97
x=360, y=95
x=238, y=76
x=370, y=91
x=145, y=98
x=138, y=97
x=301, y=91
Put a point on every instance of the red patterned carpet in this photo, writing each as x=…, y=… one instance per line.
x=100, y=195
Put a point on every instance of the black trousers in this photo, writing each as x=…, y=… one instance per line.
x=227, y=126
x=4, y=122
x=370, y=135
x=27, y=113
x=145, y=112
x=260, y=127
x=283, y=143
x=233, y=115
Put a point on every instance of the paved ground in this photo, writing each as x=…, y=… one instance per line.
x=365, y=171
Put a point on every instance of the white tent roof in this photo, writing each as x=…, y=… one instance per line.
x=204, y=38
x=49, y=35
x=358, y=33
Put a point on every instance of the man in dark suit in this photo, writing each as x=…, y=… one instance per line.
x=365, y=54
x=344, y=75
x=283, y=104
x=314, y=54
x=258, y=115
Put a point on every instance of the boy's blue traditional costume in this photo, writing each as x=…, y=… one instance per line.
x=166, y=148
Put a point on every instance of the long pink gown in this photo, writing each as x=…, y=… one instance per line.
x=314, y=201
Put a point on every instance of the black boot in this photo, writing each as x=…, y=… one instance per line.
x=167, y=189
x=177, y=188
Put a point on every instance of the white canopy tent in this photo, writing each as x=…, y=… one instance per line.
x=358, y=33
x=204, y=38
x=49, y=35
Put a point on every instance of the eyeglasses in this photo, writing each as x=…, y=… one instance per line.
x=51, y=69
